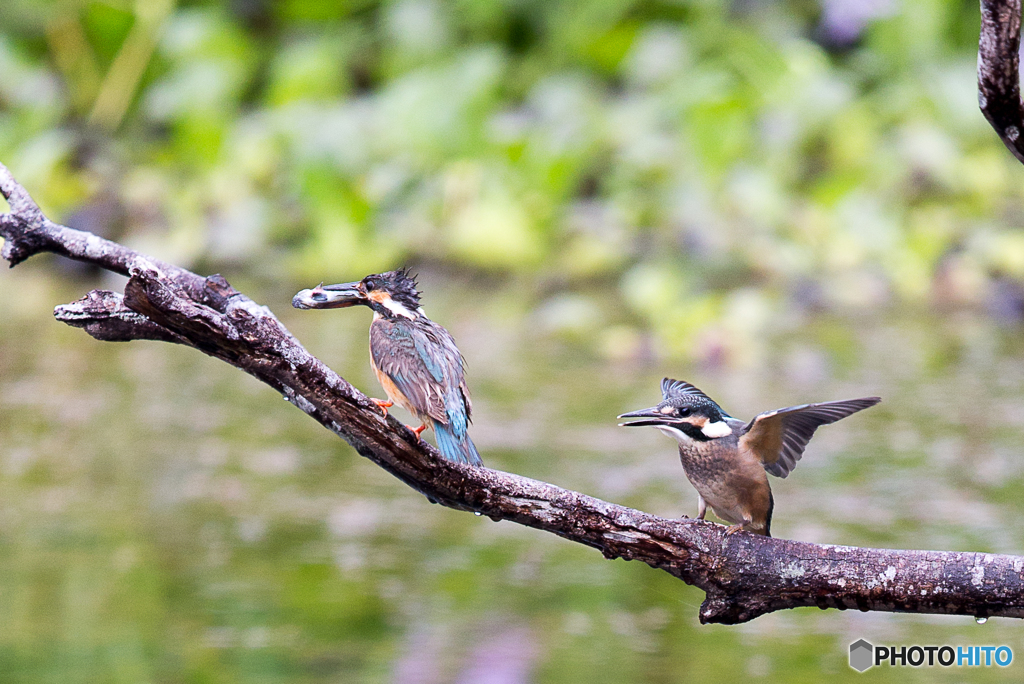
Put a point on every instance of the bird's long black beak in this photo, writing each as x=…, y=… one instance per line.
x=330, y=296
x=648, y=416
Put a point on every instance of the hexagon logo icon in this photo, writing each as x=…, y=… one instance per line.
x=861, y=655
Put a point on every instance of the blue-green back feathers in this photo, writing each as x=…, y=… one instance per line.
x=422, y=360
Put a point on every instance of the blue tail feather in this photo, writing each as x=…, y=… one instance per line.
x=455, y=448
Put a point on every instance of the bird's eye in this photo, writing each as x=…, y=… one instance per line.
x=319, y=297
x=683, y=411
x=370, y=284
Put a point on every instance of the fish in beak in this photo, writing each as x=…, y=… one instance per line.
x=331, y=296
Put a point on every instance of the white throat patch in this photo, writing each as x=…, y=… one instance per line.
x=710, y=430
x=677, y=435
x=398, y=308
x=390, y=304
x=716, y=429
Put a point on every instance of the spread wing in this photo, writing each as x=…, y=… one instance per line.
x=779, y=437
x=421, y=359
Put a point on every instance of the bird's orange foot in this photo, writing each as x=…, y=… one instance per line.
x=417, y=431
x=732, y=529
x=383, y=405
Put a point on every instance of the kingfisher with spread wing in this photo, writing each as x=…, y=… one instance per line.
x=726, y=459
x=415, y=359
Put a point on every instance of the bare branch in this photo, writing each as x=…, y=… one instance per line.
x=744, y=575
x=999, y=72
x=103, y=315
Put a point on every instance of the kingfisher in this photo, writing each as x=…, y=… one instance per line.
x=414, y=358
x=728, y=461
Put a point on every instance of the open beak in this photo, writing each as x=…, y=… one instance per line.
x=648, y=416
x=330, y=296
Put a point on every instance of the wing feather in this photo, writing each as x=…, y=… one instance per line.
x=778, y=438
x=421, y=359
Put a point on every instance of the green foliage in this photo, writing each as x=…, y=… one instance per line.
x=738, y=151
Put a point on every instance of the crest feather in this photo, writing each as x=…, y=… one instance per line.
x=402, y=286
x=677, y=389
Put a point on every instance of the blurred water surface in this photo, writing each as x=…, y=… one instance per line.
x=165, y=518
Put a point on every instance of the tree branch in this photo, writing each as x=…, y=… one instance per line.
x=744, y=575
x=999, y=72
x=103, y=315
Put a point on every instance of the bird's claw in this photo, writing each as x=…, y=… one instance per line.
x=383, y=405
x=732, y=529
x=417, y=431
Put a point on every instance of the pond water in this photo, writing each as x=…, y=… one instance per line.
x=165, y=518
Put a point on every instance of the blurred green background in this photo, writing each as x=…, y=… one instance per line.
x=781, y=202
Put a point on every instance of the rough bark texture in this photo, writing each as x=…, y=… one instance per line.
x=744, y=575
x=999, y=72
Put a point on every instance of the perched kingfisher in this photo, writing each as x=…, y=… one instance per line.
x=726, y=459
x=415, y=359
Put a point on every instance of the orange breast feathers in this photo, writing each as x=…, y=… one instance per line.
x=391, y=389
